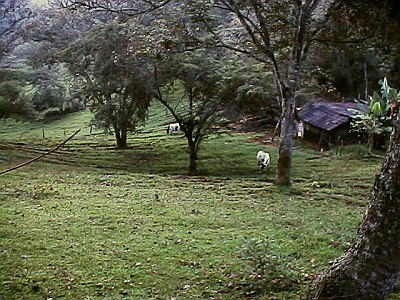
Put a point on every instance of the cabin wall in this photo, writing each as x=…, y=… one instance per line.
x=324, y=140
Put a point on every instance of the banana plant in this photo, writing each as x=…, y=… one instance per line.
x=382, y=110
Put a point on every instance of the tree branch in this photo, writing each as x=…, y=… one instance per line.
x=40, y=156
x=129, y=11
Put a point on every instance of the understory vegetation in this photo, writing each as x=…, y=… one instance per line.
x=92, y=222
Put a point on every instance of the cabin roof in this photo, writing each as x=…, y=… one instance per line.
x=329, y=115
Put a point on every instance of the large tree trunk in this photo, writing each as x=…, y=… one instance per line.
x=284, y=164
x=371, y=267
x=192, y=157
x=288, y=91
x=121, y=137
x=288, y=106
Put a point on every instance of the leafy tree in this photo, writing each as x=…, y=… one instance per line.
x=55, y=28
x=191, y=88
x=378, y=119
x=279, y=33
x=125, y=7
x=13, y=102
x=369, y=269
x=29, y=51
x=53, y=31
x=357, y=47
x=250, y=90
x=47, y=96
x=116, y=82
x=14, y=15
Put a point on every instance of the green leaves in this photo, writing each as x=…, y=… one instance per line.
x=382, y=109
x=376, y=107
x=390, y=98
x=265, y=268
x=116, y=76
x=384, y=87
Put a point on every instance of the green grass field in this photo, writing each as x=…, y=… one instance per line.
x=92, y=222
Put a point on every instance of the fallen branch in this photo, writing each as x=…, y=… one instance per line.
x=278, y=124
x=40, y=156
x=375, y=155
x=317, y=157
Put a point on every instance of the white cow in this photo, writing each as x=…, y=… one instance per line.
x=263, y=159
x=173, y=128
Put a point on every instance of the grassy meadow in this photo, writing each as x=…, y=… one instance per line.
x=91, y=222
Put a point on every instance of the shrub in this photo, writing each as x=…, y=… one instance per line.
x=264, y=270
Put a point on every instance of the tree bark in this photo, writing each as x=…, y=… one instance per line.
x=371, y=267
x=121, y=137
x=192, y=157
x=284, y=164
x=288, y=93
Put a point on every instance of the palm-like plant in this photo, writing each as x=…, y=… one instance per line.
x=378, y=119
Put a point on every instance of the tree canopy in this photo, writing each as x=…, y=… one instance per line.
x=117, y=83
x=14, y=16
x=191, y=86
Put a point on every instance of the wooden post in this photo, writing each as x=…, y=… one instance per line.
x=337, y=145
x=341, y=147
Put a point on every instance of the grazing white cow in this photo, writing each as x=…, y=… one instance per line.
x=173, y=128
x=263, y=159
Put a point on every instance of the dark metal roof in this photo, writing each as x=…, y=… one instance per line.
x=329, y=115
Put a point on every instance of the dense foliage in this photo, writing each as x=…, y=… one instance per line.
x=192, y=88
x=117, y=83
x=14, y=17
x=377, y=119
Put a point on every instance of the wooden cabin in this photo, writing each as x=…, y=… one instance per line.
x=325, y=124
